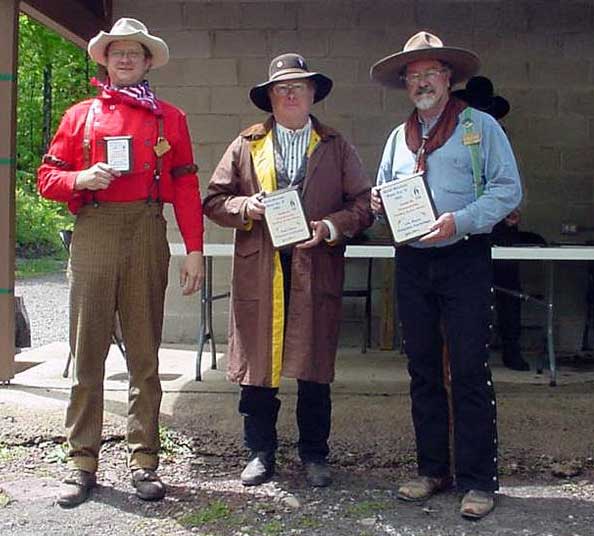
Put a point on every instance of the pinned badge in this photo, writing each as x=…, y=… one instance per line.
x=161, y=147
x=471, y=138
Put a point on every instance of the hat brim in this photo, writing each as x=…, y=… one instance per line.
x=498, y=106
x=464, y=63
x=259, y=94
x=156, y=45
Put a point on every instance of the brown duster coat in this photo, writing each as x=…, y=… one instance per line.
x=335, y=188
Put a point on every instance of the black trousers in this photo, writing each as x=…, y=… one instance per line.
x=449, y=289
x=260, y=406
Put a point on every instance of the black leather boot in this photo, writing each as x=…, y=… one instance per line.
x=259, y=469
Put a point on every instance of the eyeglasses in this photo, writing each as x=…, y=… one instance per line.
x=132, y=55
x=430, y=75
x=298, y=88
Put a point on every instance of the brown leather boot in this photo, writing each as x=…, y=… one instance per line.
x=422, y=487
x=77, y=488
x=148, y=485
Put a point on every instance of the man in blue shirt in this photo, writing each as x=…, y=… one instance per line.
x=444, y=278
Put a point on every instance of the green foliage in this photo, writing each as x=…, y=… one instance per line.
x=38, y=222
x=53, y=74
x=42, y=50
x=211, y=513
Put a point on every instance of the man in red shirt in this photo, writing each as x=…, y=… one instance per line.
x=115, y=160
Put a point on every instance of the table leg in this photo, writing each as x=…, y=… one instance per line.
x=213, y=349
x=550, y=343
x=205, y=298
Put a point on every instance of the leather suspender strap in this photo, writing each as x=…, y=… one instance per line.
x=473, y=141
x=159, y=163
x=86, y=145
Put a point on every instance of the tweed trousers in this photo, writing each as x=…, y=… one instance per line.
x=119, y=260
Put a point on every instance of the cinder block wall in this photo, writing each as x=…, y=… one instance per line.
x=538, y=52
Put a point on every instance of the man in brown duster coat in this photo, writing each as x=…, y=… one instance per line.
x=286, y=303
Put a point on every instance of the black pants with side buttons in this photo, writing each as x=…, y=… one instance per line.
x=449, y=289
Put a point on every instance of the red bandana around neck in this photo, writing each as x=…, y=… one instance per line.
x=136, y=95
x=438, y=135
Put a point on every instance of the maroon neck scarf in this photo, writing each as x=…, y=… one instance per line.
x=139, y=94
x=438, y=135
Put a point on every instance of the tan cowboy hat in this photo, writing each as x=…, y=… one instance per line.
x=288, y=67
x=126, y=29
x=425, y=46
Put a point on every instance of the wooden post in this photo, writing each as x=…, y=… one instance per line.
x=8, y=95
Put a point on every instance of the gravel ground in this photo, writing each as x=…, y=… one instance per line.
x=46, y=301
x=546, y=461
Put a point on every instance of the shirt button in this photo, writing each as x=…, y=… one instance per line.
x=146, y=165
x=489, y=383
x=112, y=106
x=147, y=143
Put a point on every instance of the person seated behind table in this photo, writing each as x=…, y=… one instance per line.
x=480, y=94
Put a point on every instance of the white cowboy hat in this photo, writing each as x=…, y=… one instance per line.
x=425, y=46
x=126, y=29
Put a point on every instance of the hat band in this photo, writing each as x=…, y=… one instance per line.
x=288, y=71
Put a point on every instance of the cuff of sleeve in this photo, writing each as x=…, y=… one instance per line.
x=70, y=180
x=333, y=232
x=193, y=244
x=463, y=222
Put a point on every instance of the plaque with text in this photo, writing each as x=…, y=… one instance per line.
x=408, y=207
x=118, y=152
x=285, y=217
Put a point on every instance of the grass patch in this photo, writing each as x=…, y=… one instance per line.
x=172, y=443
x=59, y=454
x=365, y=509
x=45, y=265
x=8, y=452
x=309, y=523
x=213, y=512
x=272, y=528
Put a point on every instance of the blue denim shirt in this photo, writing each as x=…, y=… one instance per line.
x=450, y=180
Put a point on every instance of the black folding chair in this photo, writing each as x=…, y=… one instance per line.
x=116, y=336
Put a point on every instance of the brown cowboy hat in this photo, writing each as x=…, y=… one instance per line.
x=288, y=67
x=425, y=46
x=480, y=94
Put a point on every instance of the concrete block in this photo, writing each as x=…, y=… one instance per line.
x=372, y=130
x=339, y=122
x=579, y=102
x=441, y=17
x=196, y=72
x=230, y=100
x=544, y=16
x=325, y=15
x=538, y=102
x=190, y=99
x=212, y=15
x=577, y=159
x=358, y=43
x=308, y=43
x=397, y=103
x=264, y=15
x=537, y=159
x=578, y=45
x=396, y=16
x=515, y=16
x=252, y=71
x=188, y=43
x=341, y=70
x=532, y=46
x=214, y=128
x=370, y=154
x=559, y=131
x=354, y=99
x=550, y=73
x=239, y=43
x=488, y=17
x=247, y=120
x=156, y=15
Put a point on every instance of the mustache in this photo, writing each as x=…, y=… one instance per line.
x=424, y=91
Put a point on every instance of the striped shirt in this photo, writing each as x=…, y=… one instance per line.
x=293, y=146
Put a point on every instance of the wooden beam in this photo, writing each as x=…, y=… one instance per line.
x=70, y=18
x=9, y=11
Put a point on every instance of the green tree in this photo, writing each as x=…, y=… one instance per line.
x=53, y=74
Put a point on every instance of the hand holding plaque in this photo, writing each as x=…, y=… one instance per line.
x=408, y=207
x=285, y=217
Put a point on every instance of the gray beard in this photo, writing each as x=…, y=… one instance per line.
x=425, y=102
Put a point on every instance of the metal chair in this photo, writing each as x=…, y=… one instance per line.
x=116, y=336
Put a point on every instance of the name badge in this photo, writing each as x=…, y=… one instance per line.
x=118, y=152
x=161, y=147
x=472, y=138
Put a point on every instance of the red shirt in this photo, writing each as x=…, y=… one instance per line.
x=113, y=117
